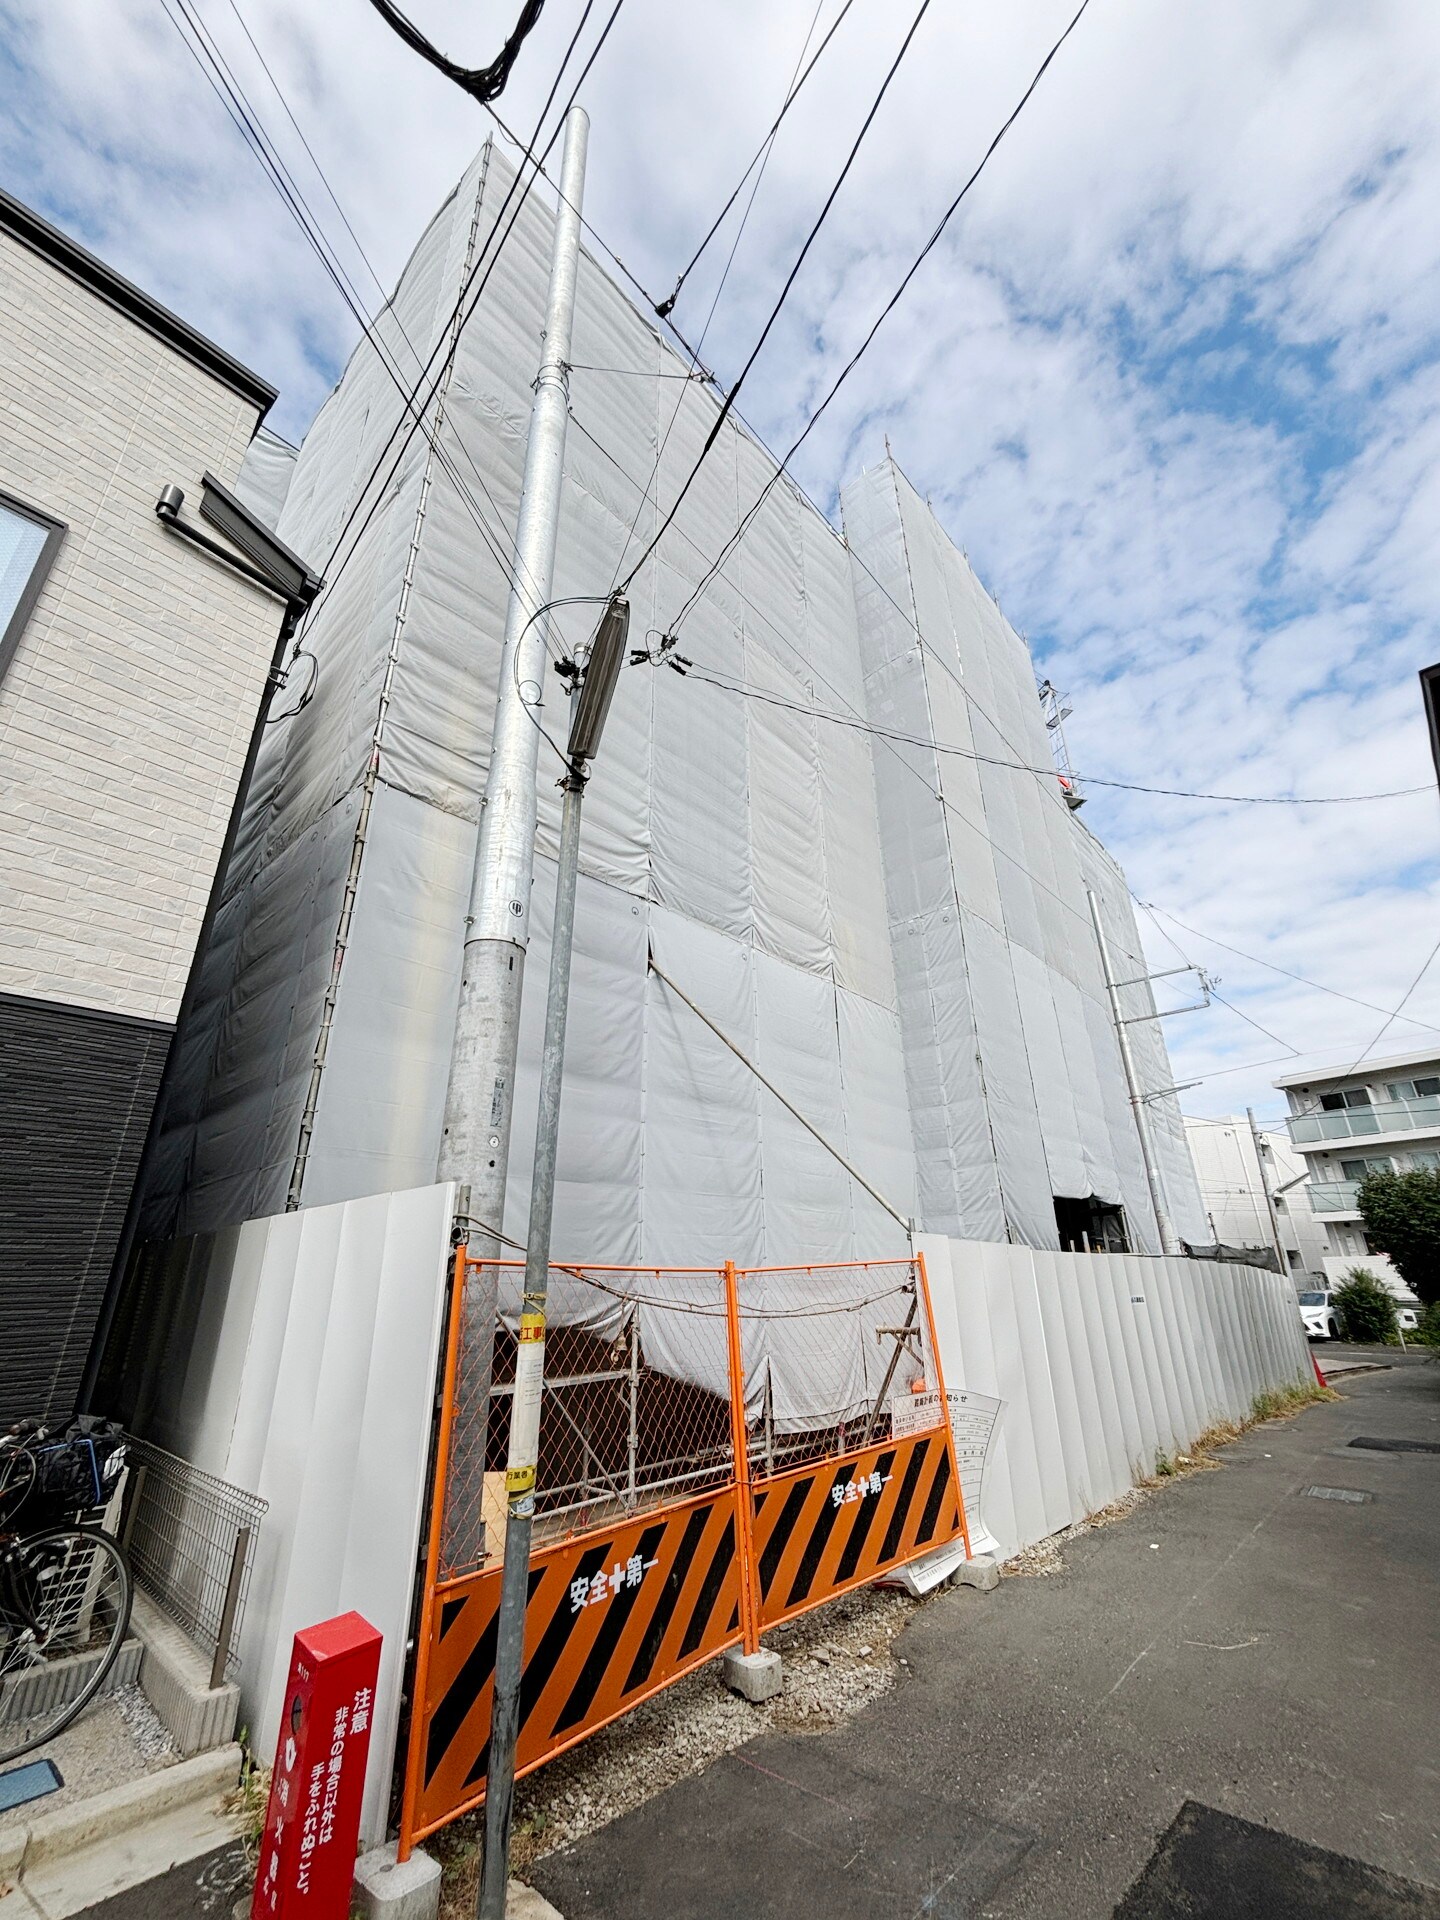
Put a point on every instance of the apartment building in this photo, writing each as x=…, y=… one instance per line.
x=1235, y=1170
x=1349, y=1123
x=135, y=652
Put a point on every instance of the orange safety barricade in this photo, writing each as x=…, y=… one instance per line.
x=720, y=1450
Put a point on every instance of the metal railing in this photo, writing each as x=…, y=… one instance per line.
x=1354, y=1123
x=1334, y=1196
x=190, y=1538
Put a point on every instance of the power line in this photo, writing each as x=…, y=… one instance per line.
x=461, y=314
x=790, y=278
x=204, y=50
x=1045, y=773
x=663, y=309
x=1391, y=1018
x=761, y=159
x=1319, y=986
x=481, y=83
x=936, y=794
x=1215, y=993
x=885, y=312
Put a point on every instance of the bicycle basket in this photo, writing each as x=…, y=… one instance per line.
x=68, y=1473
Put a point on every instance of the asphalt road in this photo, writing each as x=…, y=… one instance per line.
x=1214, y=1698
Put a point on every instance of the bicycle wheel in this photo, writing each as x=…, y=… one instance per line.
x=64, y=1612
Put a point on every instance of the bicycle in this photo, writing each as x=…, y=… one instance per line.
x=65, y=1584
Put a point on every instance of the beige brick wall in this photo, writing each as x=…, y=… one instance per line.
x=127, y=708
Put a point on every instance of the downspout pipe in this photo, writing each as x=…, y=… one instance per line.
x=297, y=602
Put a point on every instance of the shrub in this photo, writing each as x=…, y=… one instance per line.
x=1428, y=1331
x=1367, y=1308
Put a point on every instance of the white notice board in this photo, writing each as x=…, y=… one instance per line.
x=973, y=1420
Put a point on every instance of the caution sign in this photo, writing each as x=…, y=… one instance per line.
x=612, y=1618
x=837, y=1524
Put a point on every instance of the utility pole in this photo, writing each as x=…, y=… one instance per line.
x=1168, y=1241
x=480, y=1097
x=591, y=707
x=479, y=1101
x=1265, y=1188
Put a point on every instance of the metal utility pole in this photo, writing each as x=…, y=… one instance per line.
x=591, y=708
x=480, y=1099
x=1168, y=1242
x=1265, y=1188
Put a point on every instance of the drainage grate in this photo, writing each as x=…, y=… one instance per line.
x=1352, y=1494
x=1396, y=1446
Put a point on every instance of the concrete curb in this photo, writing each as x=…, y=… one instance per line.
x=118, y=1810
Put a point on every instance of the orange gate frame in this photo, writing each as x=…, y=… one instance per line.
x=601, y=1636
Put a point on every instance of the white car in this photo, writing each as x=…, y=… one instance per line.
x=1321, y=1318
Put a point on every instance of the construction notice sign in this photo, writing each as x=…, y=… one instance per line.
x=312, y=1824
x=973, y=1418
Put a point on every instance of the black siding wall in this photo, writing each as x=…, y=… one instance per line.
x=76, y=1092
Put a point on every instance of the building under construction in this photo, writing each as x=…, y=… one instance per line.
x=894, y=934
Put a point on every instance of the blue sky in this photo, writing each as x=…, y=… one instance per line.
x=1173, y=377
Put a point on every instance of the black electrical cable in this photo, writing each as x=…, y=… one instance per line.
x=762, y=154
x=367, y=321
x=884, y=314
x=481, y=83
x=696, y=370
x=227, y=88
x=1049, y=773
x=731, y=396
x=1255, y=959
x=465, y=313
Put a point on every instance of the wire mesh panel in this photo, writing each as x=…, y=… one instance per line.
x=850, y=1465
x=719, y=1450
x=635, y=1409
x=183, y=1532
x=832, y=1357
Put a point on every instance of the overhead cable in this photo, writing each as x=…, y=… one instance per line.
x=203, y=48
x=1047, y=773
x=481, y=83
x=743, y=528
x=1255, y=959
x=696, y=369
x=810, y=238
x=462, y=312
x=762, y=154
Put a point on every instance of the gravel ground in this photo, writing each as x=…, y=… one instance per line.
x=837, y=1660
x=112, y=1741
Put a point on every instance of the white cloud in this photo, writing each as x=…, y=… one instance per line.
x=1172, y=379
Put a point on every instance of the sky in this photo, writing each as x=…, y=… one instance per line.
x=1171, y=378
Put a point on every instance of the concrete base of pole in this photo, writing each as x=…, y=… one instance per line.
x=754, y=1676
x=387, y=1889
x=982, y=1572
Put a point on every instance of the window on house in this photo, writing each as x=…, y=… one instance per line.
x=1353, y=1097
x=1354, y=1169
x=1427, y=1087
x=28, y=543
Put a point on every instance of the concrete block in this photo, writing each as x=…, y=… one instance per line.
x=755, y=1676
x=175, y=1679
x=982, y=1572
x=389, y=1889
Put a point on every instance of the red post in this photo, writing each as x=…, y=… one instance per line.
x=312, y=1824
x=744, y=1509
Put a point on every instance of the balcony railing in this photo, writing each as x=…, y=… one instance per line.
x=1334, y=1196
x=1386, y=1116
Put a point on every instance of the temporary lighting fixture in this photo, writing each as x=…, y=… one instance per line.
x=597, y=689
